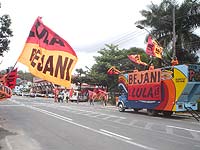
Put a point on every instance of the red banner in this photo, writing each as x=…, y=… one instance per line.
x=5, y=92
x=11, y=79
x=144, y=85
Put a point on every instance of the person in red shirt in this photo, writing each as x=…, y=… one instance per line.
x=174, y=61
x=135, y=69
x=151, y=67
x=56, y=91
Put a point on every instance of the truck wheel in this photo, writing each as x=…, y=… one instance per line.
x=167, y=113
x=151, y=112
x=136, y=109
x=121, y=107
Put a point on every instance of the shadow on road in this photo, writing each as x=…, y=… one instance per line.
x=175, y=116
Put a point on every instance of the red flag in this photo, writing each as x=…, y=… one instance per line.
x=91, y=94
x=11, y=79
x=150, y=46
x=71, y=92
x=153, y=48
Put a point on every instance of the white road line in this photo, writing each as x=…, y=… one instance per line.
x=132, y=122
x=49, y=113
x=169, y=130
x=10, y=105
x=125, y=139
x=148, y=126
x=121, y=136
x=183, y=128
x=8, y=144
x=101, y=131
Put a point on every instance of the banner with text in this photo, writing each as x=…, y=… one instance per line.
x=48, y=56
x=153, y=48
x=144, y=85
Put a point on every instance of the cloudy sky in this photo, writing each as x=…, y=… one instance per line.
x=85, y=24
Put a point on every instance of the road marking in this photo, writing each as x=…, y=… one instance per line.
x=10, y=105
x=121, y=136
x=183, y=128
x=49, y=113
x=103, y=132
x=132, y=122
x=169, y=130
x=125, y=139
x=148, y=126
x=119, y=119
x=8, y=144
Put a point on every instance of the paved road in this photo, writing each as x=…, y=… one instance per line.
x=40, y=124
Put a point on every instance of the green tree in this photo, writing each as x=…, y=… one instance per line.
x=80, y=77
x=187, y=20
x=5, y=33
x=25, y=75
x=110, y=56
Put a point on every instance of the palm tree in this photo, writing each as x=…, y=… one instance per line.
x=187, y=20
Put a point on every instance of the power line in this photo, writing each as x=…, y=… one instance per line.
x=117, y=40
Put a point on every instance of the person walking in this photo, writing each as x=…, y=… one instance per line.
x=174, y=61
x=66, y=96
x=92, y=101
x=56, y=92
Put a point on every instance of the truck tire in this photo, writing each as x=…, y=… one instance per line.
x=136, y=109
x=121, y=107
x=152, y=112
x=167, y=113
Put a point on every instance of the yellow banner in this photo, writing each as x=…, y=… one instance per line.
x=157, y=50
x=54, y=66
x=47, y=55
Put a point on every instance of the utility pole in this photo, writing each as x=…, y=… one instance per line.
x=174, y=32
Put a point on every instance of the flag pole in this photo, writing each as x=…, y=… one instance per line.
x=14, y=65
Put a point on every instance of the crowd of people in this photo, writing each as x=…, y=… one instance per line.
x=65, y=95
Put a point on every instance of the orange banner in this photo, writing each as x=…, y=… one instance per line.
x=144, y=85
x=113, y=71
x=48, y=56
x=136, y=59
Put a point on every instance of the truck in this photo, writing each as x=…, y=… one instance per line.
x=163, y=90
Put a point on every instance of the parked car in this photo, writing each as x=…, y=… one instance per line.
x=51, y=95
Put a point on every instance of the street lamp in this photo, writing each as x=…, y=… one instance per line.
x=174, y=33
x=141, y=27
